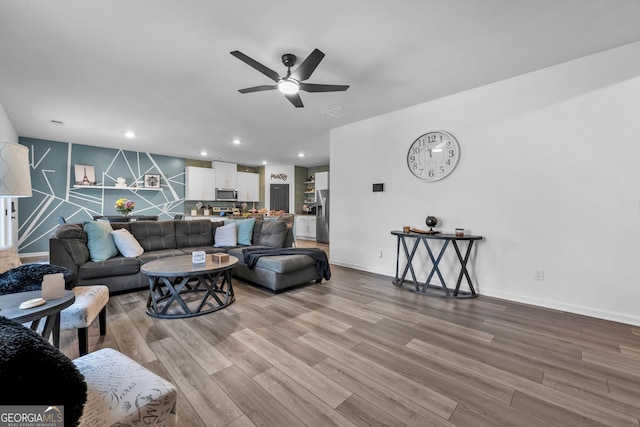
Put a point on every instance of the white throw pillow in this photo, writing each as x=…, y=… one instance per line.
x=127, y=245
x=226, y=236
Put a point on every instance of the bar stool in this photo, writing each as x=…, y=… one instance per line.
x=91, y=301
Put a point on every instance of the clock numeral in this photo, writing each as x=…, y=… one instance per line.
x=452, y=153
x=431, y=173
x=441, y=169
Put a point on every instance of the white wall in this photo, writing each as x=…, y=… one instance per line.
x=549, y=175
x=7, y=132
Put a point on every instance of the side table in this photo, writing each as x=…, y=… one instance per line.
x=50, y=311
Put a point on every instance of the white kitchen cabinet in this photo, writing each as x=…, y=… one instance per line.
x=200, y=183
x=226, y=174
x=248, y=187
x=306, y=227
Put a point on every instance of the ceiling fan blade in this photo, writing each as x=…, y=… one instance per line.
x=255, y=64
x=310, y=87
x=295, y=100
x=308, y=66
x=258, y=88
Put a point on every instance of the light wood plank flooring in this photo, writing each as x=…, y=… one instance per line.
x=357, y=350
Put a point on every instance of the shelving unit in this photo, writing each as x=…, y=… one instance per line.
x=310, y=192
x=113, y=187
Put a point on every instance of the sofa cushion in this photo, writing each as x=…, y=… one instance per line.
x=35, y=372
x=205, y=249
x=226, y=236
x=74, y=240
x=163, y=253
x=116, y=266
x=194, y=233
x=257, y=230
x=100, y=242
x=127, y=245
x=273, y=234
x=154, y=235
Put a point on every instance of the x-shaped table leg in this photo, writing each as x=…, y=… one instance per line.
x=463, y=268
x=435, y=268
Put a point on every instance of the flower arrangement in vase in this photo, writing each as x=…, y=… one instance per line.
x=125, y=206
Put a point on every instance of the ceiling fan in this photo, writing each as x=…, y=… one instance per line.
x=292, y=83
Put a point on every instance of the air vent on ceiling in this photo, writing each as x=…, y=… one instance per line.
x=57, y=122
x=337, y=113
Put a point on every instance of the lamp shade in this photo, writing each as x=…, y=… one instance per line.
x=15, y=178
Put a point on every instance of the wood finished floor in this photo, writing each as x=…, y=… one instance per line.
x=357, y=350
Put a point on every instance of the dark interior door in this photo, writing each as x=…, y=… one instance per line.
x=279, y=197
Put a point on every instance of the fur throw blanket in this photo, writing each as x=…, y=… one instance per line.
x=28, y=277
x=34, y=372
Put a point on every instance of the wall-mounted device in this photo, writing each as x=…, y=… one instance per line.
x=226, y=194
x=378, y=187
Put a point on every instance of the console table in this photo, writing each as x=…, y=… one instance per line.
x=442, y=289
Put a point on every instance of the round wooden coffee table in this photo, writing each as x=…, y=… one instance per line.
x=179, y=289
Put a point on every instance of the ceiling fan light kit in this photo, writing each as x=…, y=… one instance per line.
x=288, y=86
x=291, y=83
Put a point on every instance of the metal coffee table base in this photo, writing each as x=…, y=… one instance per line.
x=189, y=296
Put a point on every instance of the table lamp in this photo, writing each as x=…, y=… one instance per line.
x=15, y=178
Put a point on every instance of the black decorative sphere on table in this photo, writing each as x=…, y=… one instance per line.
x=431, y=221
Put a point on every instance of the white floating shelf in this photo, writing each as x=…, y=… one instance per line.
x=113, y=187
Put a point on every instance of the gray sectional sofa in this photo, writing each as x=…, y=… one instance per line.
x=161, y=239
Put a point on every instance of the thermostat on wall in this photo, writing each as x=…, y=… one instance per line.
x=378, y=187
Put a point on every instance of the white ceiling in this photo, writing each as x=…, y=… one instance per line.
x=162, y=68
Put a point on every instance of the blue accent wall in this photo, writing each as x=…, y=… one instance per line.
x=54, y=195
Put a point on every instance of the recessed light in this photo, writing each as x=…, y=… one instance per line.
x=300, y=154
x=264, y=162
x=236, y=141
x=203, y=153
x=130, y=134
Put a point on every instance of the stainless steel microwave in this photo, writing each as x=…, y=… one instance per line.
x=226, y=194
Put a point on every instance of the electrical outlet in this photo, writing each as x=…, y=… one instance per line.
x=538, y=274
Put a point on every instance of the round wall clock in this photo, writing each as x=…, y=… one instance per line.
x=433, y=156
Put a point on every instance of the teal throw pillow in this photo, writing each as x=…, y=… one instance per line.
x=100, y=242
x=244, y=229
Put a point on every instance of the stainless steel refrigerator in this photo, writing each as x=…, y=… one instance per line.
x=322, y=216
x=322, y=207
